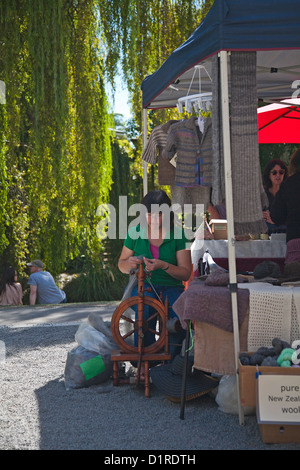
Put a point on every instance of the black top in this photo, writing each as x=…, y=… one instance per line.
x=273, y=228
x=286, y=207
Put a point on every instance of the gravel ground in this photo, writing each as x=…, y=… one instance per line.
x=38, y=413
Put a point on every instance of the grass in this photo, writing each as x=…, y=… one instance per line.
x=95, y=284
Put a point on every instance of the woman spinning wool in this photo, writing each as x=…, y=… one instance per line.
x=167, y=262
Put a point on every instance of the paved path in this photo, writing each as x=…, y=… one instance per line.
x=38, y=413
x=27, y=315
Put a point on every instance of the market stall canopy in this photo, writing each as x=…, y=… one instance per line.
x=270, y=27
x=279, y=122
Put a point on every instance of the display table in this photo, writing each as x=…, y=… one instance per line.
x=264, y=312
x=248, y=253
x=210, y=310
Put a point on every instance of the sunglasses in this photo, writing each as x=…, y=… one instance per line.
x=274, y=172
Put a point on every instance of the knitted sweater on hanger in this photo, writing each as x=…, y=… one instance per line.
x=154, y=148
x=156, y=142
x=194, y=152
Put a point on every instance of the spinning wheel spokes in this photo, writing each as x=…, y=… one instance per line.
x=126, y=335
x=153, y=316
x=124, y=317
x=121, y=337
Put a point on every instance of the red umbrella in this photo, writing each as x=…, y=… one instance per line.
x=279, y=123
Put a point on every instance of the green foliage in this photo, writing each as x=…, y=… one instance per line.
x=96, y=282
x=3, y=181
x=58, y=160
x=142, y=35
x=55, y=159
x=281, y=151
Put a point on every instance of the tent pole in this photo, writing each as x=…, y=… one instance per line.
x=229, y=214
x=145, y=178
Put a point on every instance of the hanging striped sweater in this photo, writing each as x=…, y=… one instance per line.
x=194, y=152
x=157, y=142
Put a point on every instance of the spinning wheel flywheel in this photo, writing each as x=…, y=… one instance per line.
x=137, y=327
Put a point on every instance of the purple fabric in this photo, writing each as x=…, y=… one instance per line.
x=292, y=251
x=210, y=304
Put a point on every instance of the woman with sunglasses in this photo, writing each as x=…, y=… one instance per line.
x=274, y=174
x=286, y=209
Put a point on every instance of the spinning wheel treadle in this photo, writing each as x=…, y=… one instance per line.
x=157, y=351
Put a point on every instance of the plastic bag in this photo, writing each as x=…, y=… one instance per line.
x=85, y=368
x=227, y=398
x=93, y=340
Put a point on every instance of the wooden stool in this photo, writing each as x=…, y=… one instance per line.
x=143, y=355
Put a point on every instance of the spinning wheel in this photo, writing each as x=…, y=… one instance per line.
x=157, y=351
x=140, y=328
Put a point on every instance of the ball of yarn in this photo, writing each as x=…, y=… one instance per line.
x=266, y=351
x=245, y=360
x=296, y=344
x=296, y=357
x=279, y=345
x=269, y=362
x=256, y=359
x=285, y=357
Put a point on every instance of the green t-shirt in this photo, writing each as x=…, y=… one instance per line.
x=174, y=241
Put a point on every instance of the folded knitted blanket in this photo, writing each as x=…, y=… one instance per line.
x=210, y=304
x=270, y=314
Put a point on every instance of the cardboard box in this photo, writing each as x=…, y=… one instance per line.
x=247, y=380
x=219, y=228
x=279, y=433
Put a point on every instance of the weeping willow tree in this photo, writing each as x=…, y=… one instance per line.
x=56, y=163
x=142, y=34
x=55, y=154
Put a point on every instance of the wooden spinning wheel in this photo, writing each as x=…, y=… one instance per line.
x=139, y=328
x=157, y=351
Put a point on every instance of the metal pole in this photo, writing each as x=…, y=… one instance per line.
x=229, y=214
x=186, y=358
x=145, y=177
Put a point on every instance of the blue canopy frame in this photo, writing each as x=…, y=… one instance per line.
x=268, y=26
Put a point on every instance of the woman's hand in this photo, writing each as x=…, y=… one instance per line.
x=133, y=263
x=182, y=271
x=153, y=264
x=128, y=262
x=267, y=218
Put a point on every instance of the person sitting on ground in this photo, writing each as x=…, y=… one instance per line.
x=166, y=259
x=275, y=173
x=42, y=286
x=10, y=288
x=286, y=209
